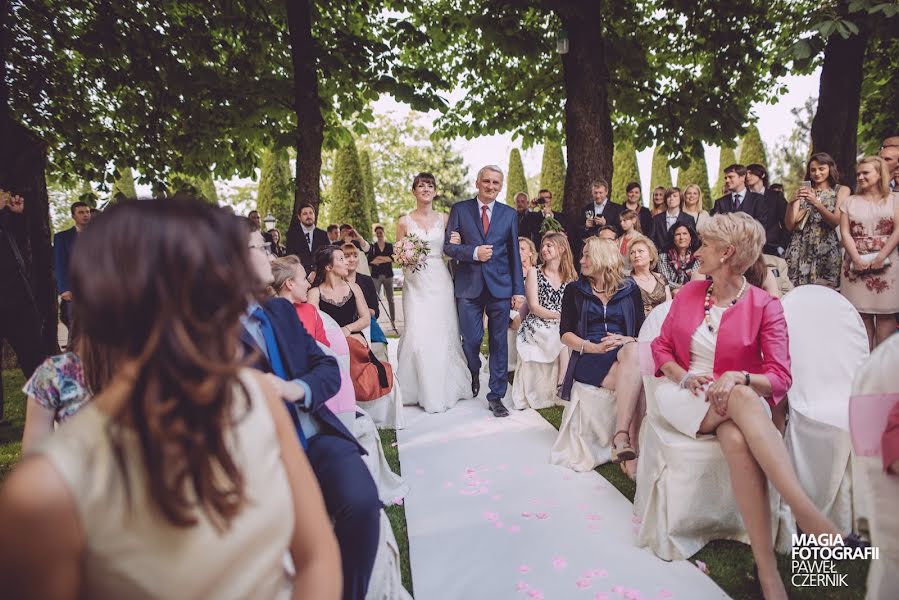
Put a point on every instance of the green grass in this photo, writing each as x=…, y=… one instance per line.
x=397, y=513
x=730, y=563
x=14, y=423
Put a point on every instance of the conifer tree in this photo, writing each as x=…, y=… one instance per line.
x=728, y=157
x=369, y=182
x=348, y=203
x=124, y=185
x=275, y=192
x=624, y=170
x=697, y=173
x=516, y=181
x=661, y=173
x=752, y=149
x=552, y=172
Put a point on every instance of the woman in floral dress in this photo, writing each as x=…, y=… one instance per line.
x=813, y=255
x=542, y=356
x=870, y=236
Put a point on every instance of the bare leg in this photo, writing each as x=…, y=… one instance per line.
x=779, y=415
x=868, y=320
x=751, y=493
x=625, y=380
x=769, y=450
x=885, y=327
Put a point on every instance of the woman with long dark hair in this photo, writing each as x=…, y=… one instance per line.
x=183, y=477
x=331, y=293
x=677, y=262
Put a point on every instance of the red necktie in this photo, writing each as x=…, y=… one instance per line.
x=484, y=220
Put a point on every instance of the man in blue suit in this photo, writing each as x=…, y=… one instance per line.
x=487, y=279
x=306, y=378
x=63, y=244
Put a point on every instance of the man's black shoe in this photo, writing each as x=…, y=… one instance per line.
x=475, y=385
x=497, y=408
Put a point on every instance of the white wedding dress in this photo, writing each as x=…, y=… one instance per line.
x=430, y=364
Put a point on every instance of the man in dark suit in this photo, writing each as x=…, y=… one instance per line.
x=634, y=202
x=775, y=230
x=664, y=221
x=528, y=221
x=307, y=378
x=738, y=198
x=601, y=211
x=63, y=244
x=304, y=238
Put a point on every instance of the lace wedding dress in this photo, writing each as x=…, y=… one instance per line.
x=430, y=365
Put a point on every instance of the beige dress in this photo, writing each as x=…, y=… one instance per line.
x=871, y=224
x=138, y=554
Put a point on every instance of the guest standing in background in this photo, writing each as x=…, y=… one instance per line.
x=277, y=247
x=629, y=232
x=663, y=222
x=739, y=198
x=528, y=221
x=380, y=259
x=776, y=234
x=63, y=246
x=304, y=238
x=869, y=225
x=813, y=254
x=634, y=202
x=657, y=202
x=601, y=211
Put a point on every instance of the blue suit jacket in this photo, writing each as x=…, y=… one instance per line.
x=502, y=273
x=63, y=244
x=303, y=359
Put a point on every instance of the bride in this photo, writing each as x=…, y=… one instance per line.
x=431, y=367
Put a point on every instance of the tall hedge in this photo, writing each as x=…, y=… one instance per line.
x=348, y=204
x=661, y=173
x=552, y=172
x=516, y=181
x=752, y=149
x=728, y=157
x=275, y=192
x=697, y=172
x=624, y=170
x=369, y=182
x=124, y=185
x=206, y=187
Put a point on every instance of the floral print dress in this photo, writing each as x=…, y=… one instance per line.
x=871, y=224
x=813, y=255
x=539, y=339
x=58, y=385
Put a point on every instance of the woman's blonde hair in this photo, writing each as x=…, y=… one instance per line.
x=283, y=268
x=881, y=167
x=739, y=230
x=650, y=246
x=530, y=244
x=566, y=262
x=605, y=257
x=683, y=203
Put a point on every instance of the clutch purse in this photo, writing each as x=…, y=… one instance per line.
x=868, y=259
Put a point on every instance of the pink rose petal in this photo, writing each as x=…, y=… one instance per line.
x=398, y=501
x=523, y=569
x=702, y=567
x=526, y=515
x=521, y=586
x=583, y=583
x=601, y=596
x=618, y=589
x=636, y=520
x=559, y=562
x=535, y=594
x=513, y=529
x=632, y=595
x=542, y=516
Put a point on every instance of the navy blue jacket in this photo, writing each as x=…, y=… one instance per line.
x=63, y=244
x=303, y=359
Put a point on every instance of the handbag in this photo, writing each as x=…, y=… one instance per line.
x=372, y=379
x=868, y=259
x=802, y=219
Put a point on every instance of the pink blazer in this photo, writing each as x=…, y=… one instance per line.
x=752, y=337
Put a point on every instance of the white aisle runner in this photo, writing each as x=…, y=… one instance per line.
x=489, y=517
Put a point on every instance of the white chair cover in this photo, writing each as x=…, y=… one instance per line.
x=827, y=344
x=778, y=267
x=512, y=343
x=879, y=375
x=588, y=425
x=386, y=411
x=386, y=581
x=390, y=485
x=684, y=497
x=343, y=403
x=535, y=385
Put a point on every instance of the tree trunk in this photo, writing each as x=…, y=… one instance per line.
x=588, y=123
x=307, y=105
x=835, y=126
x=23, y=160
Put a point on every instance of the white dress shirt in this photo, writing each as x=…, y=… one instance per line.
x=308, y=234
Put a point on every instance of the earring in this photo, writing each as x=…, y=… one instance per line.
x=722, y=260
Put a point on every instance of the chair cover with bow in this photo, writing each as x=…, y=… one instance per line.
x=875, y=390
x=828, y=343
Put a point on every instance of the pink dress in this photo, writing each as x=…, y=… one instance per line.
x=871, y=224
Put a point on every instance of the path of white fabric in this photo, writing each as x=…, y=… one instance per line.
x=489, y=517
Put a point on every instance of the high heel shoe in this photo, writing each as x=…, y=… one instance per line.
x=626, y=452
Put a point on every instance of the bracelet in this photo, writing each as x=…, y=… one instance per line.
x=684, y=379
x=583, y=345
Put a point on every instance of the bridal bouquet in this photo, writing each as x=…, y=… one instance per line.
x=411, y=252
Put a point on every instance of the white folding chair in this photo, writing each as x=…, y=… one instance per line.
x=828, y=343
x=684, y=497
x=875, y=390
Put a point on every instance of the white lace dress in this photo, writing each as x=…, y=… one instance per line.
x=430, y=364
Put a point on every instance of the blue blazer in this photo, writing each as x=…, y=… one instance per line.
x=502, y=273
x=63, y=244
x=303, y=359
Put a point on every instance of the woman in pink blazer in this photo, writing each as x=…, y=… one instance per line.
x=725, y=353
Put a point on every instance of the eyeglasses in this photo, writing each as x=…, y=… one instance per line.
x=264, y=246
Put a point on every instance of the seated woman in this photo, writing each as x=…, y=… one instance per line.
x=62, y=385
x=601, y=315
x=653, y=286
x=333, y=294
x=367, y=285
x=538, y=337
x=528, y=253
x=183, y=448
x=678, y=261
x=725, y=353
x=290, y=283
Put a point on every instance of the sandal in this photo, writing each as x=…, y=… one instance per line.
x=626, y=452
x=623, y=465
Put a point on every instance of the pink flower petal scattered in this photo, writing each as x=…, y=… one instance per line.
x=702, y=567
x=470, y=470
x=636, y=520
x=521, y=586
x=542, y=516
x=600, y=573
x=498, y=524
x=632, y=595
x=524, y=569
x=665, y=594
x=601, y=596
x=513, y=529
x=491, y=516
x=535, y=594
x=583, y=583
x=593, y=517
x=618, y=589
x=559, y=562
x=526, y=515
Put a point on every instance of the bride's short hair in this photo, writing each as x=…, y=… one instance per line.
x=424, y=176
